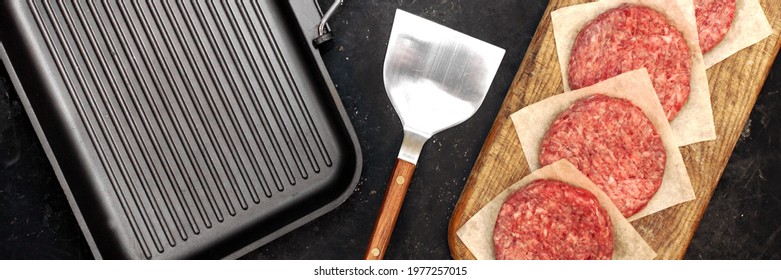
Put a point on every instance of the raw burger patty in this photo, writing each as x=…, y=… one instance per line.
x=614, y=144
x=629, y=38
x=551, y=220
x=714, y=17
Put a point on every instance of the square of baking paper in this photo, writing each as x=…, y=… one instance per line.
x=694, y=122
x=749, y=26
x=477, y=233
x=532, y=123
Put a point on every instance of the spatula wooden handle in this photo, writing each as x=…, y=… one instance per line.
x=389, y=211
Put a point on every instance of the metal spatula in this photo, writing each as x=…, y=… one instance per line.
x=436, y=78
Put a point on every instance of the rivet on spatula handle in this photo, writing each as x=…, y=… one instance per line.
x=389, y=211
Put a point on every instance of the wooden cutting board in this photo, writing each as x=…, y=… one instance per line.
x=735, y=84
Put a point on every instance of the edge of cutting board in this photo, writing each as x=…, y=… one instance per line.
x=735, y=84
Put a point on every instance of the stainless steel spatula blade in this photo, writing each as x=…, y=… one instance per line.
x=436, y=78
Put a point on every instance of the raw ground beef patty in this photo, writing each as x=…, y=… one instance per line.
x=629, y=38
x=551, y=220
x=714, y=18
x=612, y=142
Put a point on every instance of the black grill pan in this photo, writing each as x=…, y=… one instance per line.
x=182, y=129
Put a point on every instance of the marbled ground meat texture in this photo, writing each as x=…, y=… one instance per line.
x=714, y=18
x=631, y=37
x=551, y=220
x=612, y=142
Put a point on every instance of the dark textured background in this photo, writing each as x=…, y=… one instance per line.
x=742, y=220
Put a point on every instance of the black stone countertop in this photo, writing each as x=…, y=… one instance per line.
x=741, y=222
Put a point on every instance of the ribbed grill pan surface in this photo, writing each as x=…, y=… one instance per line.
x=182, y=129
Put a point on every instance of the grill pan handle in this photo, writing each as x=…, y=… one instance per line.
x=324, y=36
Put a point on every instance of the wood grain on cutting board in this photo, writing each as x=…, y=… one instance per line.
x=734, y=83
